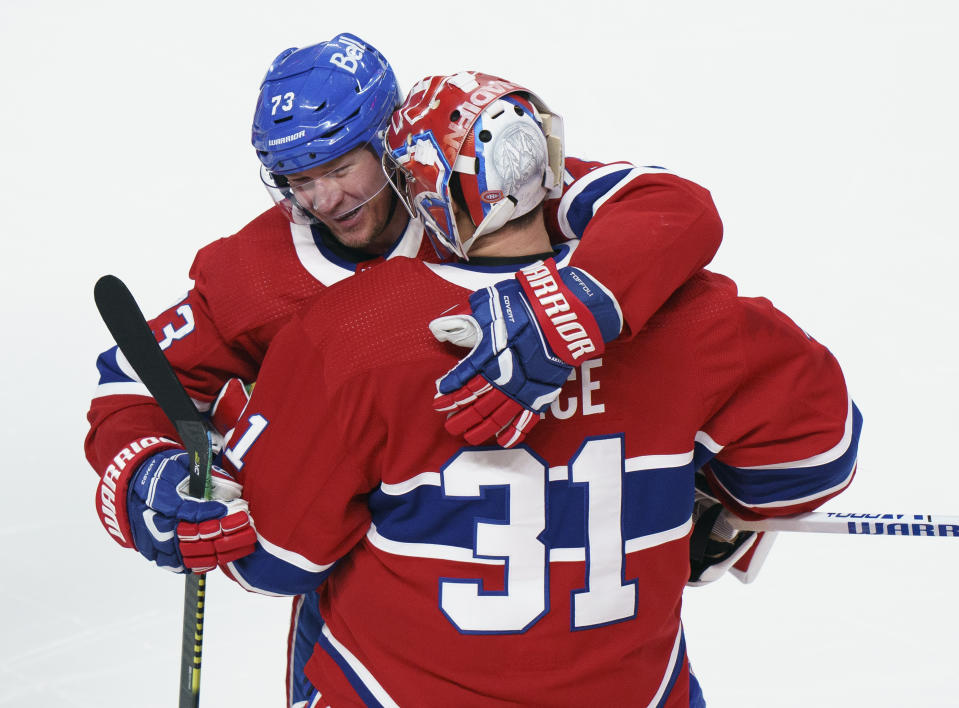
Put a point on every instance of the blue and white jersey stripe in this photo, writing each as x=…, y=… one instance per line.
x=415, y=518
x=361, y=678
x=312, y=631
x=306, y=625
x=117, y=376
x=594, y=189
x=790, y=483
x=673, y=668
x=274, y=570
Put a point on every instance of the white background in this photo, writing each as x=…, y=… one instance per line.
x=826, y=132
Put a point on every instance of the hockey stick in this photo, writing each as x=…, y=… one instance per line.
x=133, y=336
x=856, y=524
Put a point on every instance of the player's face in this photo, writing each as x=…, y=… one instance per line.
x=348, y=194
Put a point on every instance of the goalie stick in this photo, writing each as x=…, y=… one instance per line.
x=133, y=336
x=856, y=524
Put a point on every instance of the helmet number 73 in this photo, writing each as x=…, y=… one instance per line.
x=285, y=98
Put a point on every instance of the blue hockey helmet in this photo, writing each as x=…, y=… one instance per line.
x=319, y=102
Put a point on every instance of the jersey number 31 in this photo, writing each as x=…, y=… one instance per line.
x=525, y=599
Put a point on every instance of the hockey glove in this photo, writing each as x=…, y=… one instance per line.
x=716, y=546
x=525, y=336
x=182, y=533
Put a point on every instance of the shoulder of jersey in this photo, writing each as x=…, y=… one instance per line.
x=392, y=285
x=704, y=298
x=378, y=318
x=254, y=276
x=263, y=234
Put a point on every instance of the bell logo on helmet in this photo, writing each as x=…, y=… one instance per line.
x=350, y=60
x=307, y=99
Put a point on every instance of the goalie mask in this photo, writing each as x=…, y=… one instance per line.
x=499, y=138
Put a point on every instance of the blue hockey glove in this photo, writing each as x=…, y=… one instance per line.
x=525, y=336
x=182, y=533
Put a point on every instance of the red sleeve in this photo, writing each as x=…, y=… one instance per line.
x=644, y=232
x=123, y=410
x=783, y=438
x=246, y=287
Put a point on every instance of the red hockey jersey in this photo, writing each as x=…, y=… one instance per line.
x=548, y=574
x=644, y=230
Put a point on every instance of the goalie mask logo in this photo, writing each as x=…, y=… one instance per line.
x=519, y=156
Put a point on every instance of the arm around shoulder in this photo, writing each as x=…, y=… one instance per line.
x=644, y=230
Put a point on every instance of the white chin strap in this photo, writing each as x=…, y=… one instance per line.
x=498, y=215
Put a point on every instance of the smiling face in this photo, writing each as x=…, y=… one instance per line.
x=348, y=195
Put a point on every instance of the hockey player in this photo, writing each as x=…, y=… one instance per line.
x=315, y=130
x=549, y=573
x=319, y=112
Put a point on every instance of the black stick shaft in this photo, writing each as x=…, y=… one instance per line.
x=133, y=336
